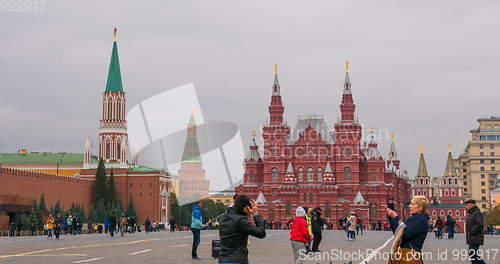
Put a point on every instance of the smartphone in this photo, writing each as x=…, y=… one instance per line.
x=391, y=206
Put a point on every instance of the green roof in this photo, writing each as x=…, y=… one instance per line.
x=143, y=169
x=114, y=83
x=41, y=158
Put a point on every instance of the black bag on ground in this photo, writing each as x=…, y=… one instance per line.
x=216, y=247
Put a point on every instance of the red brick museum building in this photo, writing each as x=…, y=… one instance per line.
x=318, y=164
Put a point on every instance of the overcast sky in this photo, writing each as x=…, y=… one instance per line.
x=424, y=70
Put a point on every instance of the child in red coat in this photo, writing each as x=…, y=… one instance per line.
x=299, y=235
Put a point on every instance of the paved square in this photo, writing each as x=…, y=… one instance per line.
x=173, y=248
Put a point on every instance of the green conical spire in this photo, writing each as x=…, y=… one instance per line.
x=191, y=148
x=114, y=83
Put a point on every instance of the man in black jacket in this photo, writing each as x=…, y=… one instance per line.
x=235, y=228
x=317, y=227
x=474, y=226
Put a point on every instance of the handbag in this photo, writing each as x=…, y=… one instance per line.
x=401, y=255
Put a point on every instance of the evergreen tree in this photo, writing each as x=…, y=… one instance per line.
x=130, y=209
x=100, y=188
x=42, y=208
x=112, y=198
x=175, y=209
x=57, y=209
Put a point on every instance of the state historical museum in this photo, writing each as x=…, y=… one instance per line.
x=317, y=164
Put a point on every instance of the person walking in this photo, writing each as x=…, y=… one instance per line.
x=474, y=225
x=299, y=235
x=234, y=229
x=112, y=224
x=57, y=225
x=439, y=227
x=410, y=236
x=317, y=228
x=171, y=223
x=123, y=225
x=12, y=229
x=147, y=225
x=74, y=225
x=450, y=226
x=50, y=226
x=352, y=226
x=196, y=226
x=309, y=226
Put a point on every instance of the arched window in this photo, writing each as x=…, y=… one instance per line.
x=433, y=213
x=274, y=175
x=108, y=149
x=305, y=198
x=311, y=198
x=119, y=150
x=328, y=210
x=457, y=213
x=309, y=174
x=449, y=181
x=301, y=174
x=456, y=181
x=119, y=108
x=288, y=210
x=441, y=213
x=453, y=193
x=373, y=212
x=347, y=174
x=320, y=174
x=446, y=192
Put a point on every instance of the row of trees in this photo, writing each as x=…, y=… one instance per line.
x=38, y=212
x=105, y=199
x=182, y=213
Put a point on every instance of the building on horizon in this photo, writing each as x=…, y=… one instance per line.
x=61, y=163
x=479, y=160
x=445, y=192
x=321, y=165
x=148, y=188
x=192, y=182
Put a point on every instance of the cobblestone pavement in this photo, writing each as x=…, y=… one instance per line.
x=175, y=248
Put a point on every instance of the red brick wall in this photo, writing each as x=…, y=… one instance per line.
x=31, y=185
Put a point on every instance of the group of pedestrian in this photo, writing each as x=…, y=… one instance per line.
x=439, y=226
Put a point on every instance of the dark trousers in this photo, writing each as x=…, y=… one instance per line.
x=475, y=259
x=196, y=242
x=351, y=235
x=317, y=240
x=172, y=228
x=451, y=232
x=112, y=230
x=57, y=231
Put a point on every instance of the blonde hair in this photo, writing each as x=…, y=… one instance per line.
x=422, y=201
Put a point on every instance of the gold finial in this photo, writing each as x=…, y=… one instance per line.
x=422, y=148
x=254, y=133
x=392, y=137
x=114, y=34
x=449, y=148
x=276, y=68
x=347, y=66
